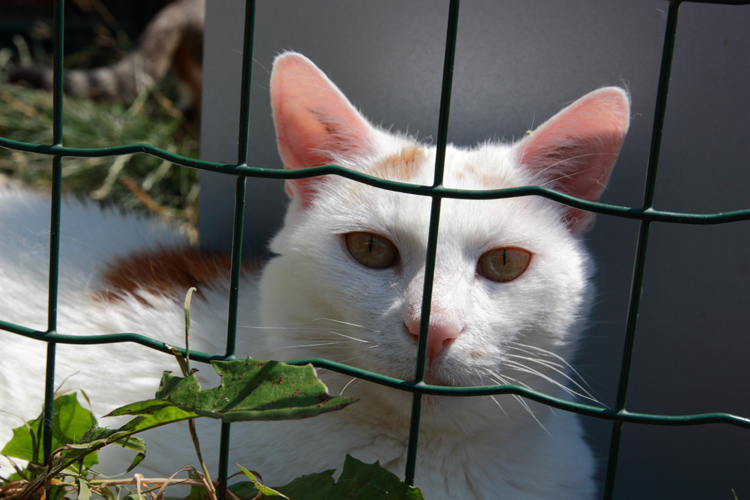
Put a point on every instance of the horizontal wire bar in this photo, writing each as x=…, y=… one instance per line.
x=490, y=390
x=402, y=187
x=395, y=383
x=109, y=338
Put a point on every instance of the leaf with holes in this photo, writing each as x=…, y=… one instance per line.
x=249, y=390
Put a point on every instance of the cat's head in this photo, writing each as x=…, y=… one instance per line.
x=511, y=288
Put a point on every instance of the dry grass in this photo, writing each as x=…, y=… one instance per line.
x=132, y=182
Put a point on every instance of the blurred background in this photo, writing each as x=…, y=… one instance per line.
x=518, y=62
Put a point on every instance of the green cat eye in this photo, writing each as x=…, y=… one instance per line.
x=372, y=250
x=504, y=264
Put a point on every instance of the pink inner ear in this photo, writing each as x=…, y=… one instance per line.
x=315, y=123
x=575, y=150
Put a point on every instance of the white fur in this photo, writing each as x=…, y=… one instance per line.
x=315, y=300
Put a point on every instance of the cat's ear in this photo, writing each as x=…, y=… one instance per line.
x=315, y=122
x=575, y=150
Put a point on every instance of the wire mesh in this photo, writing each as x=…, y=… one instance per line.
x=241, y=170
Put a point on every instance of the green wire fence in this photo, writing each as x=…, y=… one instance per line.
x=242, y=170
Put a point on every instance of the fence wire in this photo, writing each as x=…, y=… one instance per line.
x=242, y=170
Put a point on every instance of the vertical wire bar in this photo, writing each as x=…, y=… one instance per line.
x=445, y=99
x=239, y=222
x=642, y=245
x=247, y=72
x=445, y=95
x=54, y=247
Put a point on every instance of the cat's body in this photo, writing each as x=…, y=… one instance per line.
x=346, y=285
x=173, y=41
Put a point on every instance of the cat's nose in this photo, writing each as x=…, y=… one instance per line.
x=439, y=338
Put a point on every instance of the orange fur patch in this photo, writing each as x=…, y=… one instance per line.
x=163, y=272
x=402, y=166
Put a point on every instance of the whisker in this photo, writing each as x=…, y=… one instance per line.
x=350, y=359
x=525, y=369
x=548, y=353
x=347, y=324
x=520, y=400
x=552, y=367
x=535, y=356
x=562, y=360
x=349, y=337
x=513, y=381
x=347, y=385
x=499, y=406
x=308, y=345
x=296, y=328
x=481, y=380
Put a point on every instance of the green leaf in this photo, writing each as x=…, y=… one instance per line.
x=97, y=437
x=249, y=390
x=243, y=489
x=71, y=421
x=152, y=413
x=155, y=413
x=107, y=494
x=130, y=443
x=84, y=492
x=57, y=494
x=313, y=486
x=370, y=482
x=267, y=492
x=196, y=492
x=358, y=481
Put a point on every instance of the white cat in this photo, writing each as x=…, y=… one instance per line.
x=511, y=295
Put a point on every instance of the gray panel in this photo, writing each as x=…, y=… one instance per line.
x=518, y=62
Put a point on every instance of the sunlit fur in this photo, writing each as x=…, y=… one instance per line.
x=315, y=300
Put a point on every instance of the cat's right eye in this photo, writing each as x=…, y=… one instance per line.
x=504, y=264
x=372, y=250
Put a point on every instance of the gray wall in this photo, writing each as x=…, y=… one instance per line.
x=518, y=62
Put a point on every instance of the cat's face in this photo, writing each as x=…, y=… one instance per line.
x=511, y=287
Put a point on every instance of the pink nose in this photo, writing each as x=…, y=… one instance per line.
x=439, y=337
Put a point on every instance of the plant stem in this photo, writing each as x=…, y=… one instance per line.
x=194, y=436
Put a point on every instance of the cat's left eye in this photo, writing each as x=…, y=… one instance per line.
x=372, y=250
x=503, y=264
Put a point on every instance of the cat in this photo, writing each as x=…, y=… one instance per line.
x=511, y=294
x=173, y=40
